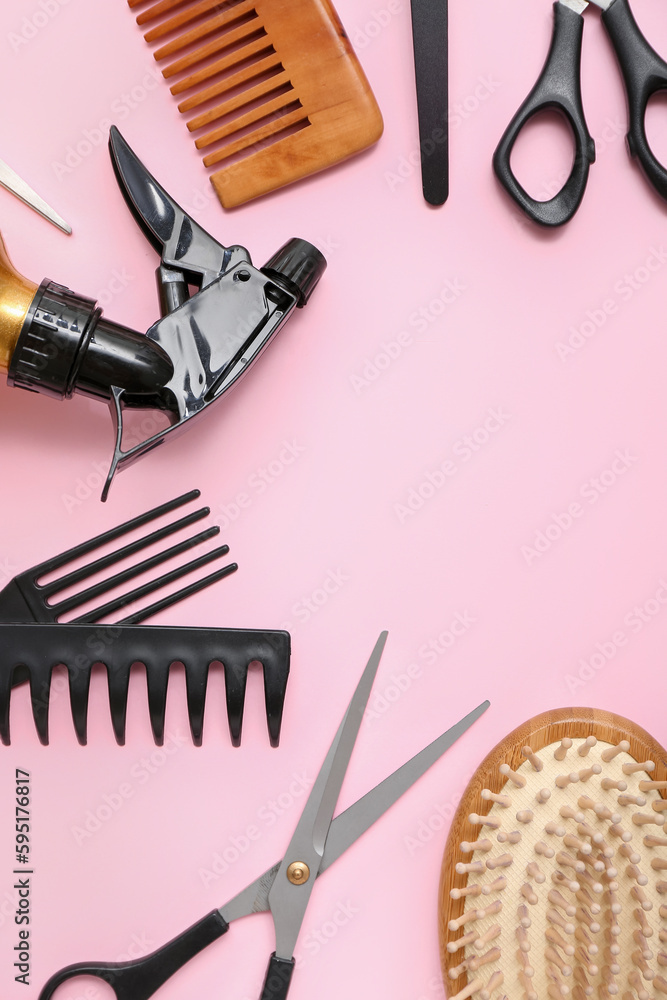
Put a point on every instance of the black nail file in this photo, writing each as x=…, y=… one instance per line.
x=429, y=37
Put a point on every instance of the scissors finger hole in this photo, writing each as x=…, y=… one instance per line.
x=655, y=123
x=543, y=154
x=84, y=988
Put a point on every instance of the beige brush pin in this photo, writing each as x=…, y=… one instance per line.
x=570, y=809
x=272, y=88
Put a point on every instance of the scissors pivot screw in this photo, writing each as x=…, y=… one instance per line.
x=298, y=872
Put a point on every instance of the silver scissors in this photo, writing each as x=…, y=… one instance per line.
x=285, y=888
x=16, y=185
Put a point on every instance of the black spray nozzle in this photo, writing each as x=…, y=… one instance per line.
x=59, y=343
x=300, y=265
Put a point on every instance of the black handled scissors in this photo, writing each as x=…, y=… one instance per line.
x=285, y=888
x=559, y=88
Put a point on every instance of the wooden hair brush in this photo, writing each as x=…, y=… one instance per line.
x=273, y=87
x=554, y=878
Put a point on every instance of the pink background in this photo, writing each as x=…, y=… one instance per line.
x=498, y=297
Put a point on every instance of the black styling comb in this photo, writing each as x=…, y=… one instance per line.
x=24, y=599
x=30, y=653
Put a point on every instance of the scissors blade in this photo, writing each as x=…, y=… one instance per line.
x=354, y=821
x=181, y=243
x=289, y=896
x=17, y=186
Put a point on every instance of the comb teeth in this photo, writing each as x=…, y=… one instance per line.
x=34, y=650
x=227, y=54
x=276, y=90
x=582, y=908
x=25, y=598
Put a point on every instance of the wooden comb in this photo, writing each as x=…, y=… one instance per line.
x=554, y=881
x=275, y=89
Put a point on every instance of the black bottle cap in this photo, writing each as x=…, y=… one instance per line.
x=298, y=264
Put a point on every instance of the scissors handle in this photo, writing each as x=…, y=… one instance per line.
x=558, y=88
x=139, y=979
x=278, y=977
x=644, y=74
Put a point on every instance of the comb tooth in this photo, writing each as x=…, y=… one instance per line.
x=535, y=872
x=529, y=894
x=527, y=752
x=119, y=679
x=179, y=595
x=497, y=885
x=469, y=890
x=297, y=117
x=276, y=673
x=544, y=850
x=611, y=752
x=252, y=46
x=462, y=942
x=90, y=593
x=236, y=675
x=148, y=588
x=524, y=977
x=503, y=800
x=493, y=984
x=196, y=675
x=476, y=845
x=193, y=13
x=587, y=746
x=490, y=821
x=212, y=24
x=513, y=838
x=261, y=90
x=647, y=765
x=156, y=9
x=469, y=990
x=40, y=693
x=265, y=65
x=561, y=751
x=157, y=682
x=50, y=565
x=517, y=779
x=79, y=691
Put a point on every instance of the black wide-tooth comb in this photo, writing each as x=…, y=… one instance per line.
x=24, y=599
x=31, y=653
